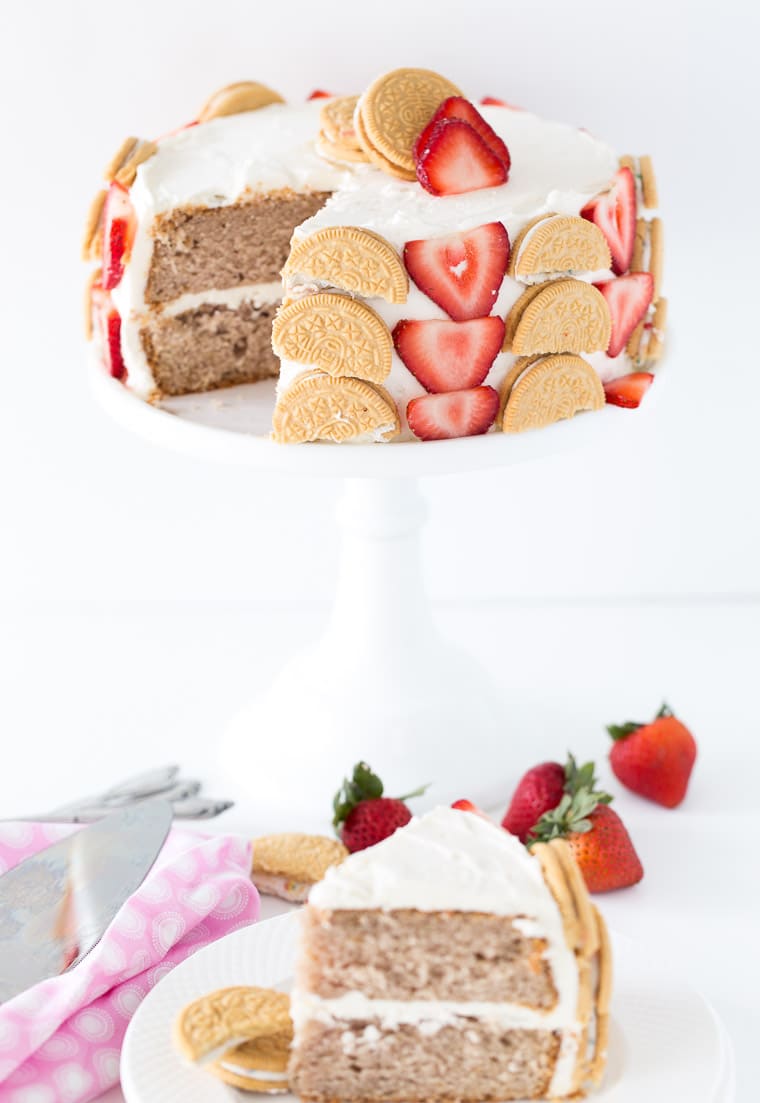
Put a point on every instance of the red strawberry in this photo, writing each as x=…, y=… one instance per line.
x=362, y=815
x=538, y=791
x=542, y=788
x=457, y=107
x=492, y=101
x=449, y=356
x=614, y=212
x=456, y=414
x=118, y=232
x=628, y=298
x=468, y=806
x=598, y=839
x=628, y=390
x=654, y=760
x=108, y=321
x=461, y=272
x=320, y=94
x=605, y=852
x=455, y=159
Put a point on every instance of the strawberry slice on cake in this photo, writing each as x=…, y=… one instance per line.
x=614, y=212
x=462, y=272
x=629, y=298
x=449, y=356
x=456, y=414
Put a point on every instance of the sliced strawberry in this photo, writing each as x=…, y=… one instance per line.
x=320, y=94
x=628, y=298
x=465, y=805
x=461, y=272
x=628, y=390
x=457, y=107
x=614, y=213
x=457, y=414
x=449, y=356
x=108, y=322
x=492, y=101
x=457, y=160
x=118, y=234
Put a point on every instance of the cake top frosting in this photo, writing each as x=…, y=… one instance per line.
x=446, y=860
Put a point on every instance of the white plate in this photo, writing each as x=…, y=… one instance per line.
x=666, y=1043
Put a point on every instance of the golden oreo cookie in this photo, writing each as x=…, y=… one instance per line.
x=648, y=251
x=336, y=120
x=395, y=109
x=128, y=171
x=646, y=182
x=560, y=316
x=317, y=406
x=120, y=157
x=91, y=239
x=260, y=1065
x=339, y=154
x=376, y=158
x=337, y=334
x=287, y=865
x=555, y=244
x=353, y=259
x=235, y=99
x=551, y=389
x=231, y=1016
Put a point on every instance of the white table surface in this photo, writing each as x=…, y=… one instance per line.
x=91, y=693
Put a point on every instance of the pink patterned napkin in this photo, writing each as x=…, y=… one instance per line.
x=60, y=1041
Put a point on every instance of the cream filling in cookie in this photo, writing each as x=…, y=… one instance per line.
x=254, y=1074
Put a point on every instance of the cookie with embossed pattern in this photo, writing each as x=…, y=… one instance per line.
x=260, y=1065
x=319, y=407
x=395, y=109
x=554, y=245
x=234, y=99
x=336, y=120
x=353, y=259
x=228, y=1017
x=376, y=158
x=340, y=154
x=335, y=333
x=554, y=388
x=560, y=316
x=289, y=864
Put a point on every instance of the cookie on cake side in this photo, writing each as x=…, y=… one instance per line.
x=448, y=963
x=399, y=229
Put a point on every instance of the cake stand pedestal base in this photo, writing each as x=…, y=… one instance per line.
x=382, y=684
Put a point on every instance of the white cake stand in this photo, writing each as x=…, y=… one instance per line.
x=382, y=683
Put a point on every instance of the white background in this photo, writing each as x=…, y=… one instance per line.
x=144, y=596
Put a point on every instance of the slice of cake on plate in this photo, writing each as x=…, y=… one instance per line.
x=449, y=963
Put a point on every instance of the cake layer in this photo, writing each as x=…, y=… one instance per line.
x=469, y=1061
x=212, y=345
x=415, y=955
x=196, y=248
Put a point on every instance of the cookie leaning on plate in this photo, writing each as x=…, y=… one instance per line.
x=287, y=865
x=212, y=1024
x=260, y=1065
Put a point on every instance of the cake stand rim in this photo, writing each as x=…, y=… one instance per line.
x=402, y=459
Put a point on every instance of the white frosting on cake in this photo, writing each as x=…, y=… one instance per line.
x=555, y=168
x=450, y=860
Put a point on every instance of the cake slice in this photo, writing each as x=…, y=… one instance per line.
x=449, y=963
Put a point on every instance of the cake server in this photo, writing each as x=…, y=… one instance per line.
x=56, y=905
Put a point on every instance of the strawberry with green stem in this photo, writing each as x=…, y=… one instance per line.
x=362, y=816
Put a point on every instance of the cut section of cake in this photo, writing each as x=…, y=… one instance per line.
x=449, y=963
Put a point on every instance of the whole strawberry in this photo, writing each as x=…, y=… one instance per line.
x=598, y=838
x=654, y=760
x=542, y=788
x=362, y=815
